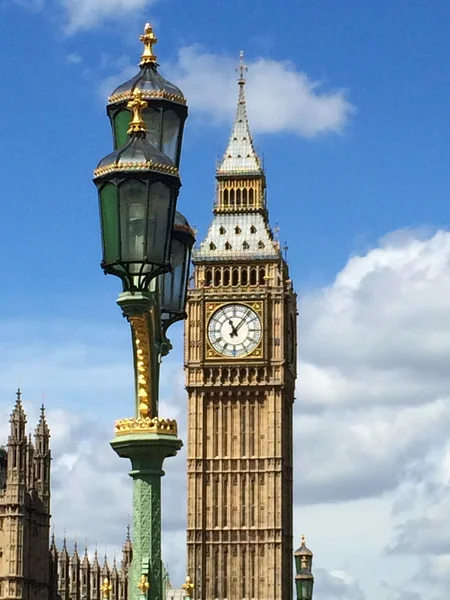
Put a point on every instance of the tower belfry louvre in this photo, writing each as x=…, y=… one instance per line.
x=240, y=357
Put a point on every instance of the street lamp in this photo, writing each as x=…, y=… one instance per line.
x=304, y=579
x=166, y=111
x=147, y=244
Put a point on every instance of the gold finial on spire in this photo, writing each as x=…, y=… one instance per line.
x=106, y=588
x=188, y=587
x=304, y=563
x=149, y=39
x=137, y=105
x=143, y=584
x=242, y=68
x=303, y=539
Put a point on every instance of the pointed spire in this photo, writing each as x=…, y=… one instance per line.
x=42, y=428
x=53, y=548
x=18, y=414
x=127, y=551
x=240, y=156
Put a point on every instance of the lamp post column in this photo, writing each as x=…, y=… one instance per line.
x=146, y=441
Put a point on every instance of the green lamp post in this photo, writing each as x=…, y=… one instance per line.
x=304, y=579
x=147, y=244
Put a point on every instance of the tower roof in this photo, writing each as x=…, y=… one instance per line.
x=18, y=414
x=42, y=428
x=303, y=550
x=240, y=156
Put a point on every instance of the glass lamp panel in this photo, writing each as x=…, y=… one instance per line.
x=171, y=128
x=307, y=589
x=110, y=223
x=173, y=280
x=159, y=223
x=133, y=220
x=152, y=118
x=121, y=123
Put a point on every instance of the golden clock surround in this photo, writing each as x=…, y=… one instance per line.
x=256, y=354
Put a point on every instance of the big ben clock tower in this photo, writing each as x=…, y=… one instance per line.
x=240, y=356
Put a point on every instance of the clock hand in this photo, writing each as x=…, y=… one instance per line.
x=233, y=329
x=241, y=322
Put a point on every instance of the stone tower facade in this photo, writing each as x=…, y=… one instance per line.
x=25, y=510
x=240, y=358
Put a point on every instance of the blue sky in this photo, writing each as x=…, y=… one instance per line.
x=348, y=102
x=332, y=195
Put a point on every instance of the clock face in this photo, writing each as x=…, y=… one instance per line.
x=234, y=330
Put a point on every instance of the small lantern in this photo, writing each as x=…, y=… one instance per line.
x=138, y=188
x=173, y=284
x=304, y=579
x=165, y=113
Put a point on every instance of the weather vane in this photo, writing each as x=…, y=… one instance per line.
x=242, y=68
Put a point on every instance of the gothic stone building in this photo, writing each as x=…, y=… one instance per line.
x=31, y=568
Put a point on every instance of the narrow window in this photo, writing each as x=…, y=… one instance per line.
x=252, y=229
x=235, y=277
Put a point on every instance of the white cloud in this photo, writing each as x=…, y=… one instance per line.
x=74, y=58
x=280, y=98
x=85, y=14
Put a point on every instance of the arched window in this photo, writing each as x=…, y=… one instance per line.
x=250, y=197
x=226, y=276
x=238, y=197
x=262, y=276
x=253, y=276
x=216, y=277
x=252, y=229
x=245, y=246
x=208, y=277
x=225, y=197
x=228, y=246
x=244, y=197
x=244, y=276
x=235, y=277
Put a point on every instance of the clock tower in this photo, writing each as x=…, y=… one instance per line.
x=240, y=357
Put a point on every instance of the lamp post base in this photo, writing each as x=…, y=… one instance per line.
x=146, y=451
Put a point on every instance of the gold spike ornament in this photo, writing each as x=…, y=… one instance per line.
x=149, y=39
x=137, y=105
x=143, y=585
x=188, y=587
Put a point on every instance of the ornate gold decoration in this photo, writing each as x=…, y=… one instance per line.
x=137, y=105
x=304, y=563
x=106, y=588
x=147, y=95
x=143, y=584
x=146, y=425
x=149, y=39
x=303, y=539
x=135, y=166
x=188, y=587
x=141, y=341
